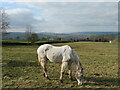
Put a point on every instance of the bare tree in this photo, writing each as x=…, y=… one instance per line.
x=28, y=32
x=30, y=36
x=33, y=38
x=4, y=23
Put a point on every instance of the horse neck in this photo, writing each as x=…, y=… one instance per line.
x=78, y=65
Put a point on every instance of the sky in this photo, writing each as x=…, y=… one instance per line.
x=62, y=17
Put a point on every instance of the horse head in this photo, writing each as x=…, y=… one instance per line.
x=79, y=75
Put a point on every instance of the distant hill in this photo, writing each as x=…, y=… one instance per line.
x=64, y=36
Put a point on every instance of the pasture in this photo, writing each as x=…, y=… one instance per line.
x=21, y=69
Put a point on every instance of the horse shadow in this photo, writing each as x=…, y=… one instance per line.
x=101, y=81
x=96, y=81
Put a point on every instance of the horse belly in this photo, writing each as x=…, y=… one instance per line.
x=55, y=57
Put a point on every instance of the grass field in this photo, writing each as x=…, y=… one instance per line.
x=20, y=67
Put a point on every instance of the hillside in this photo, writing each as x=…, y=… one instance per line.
x=63, y=36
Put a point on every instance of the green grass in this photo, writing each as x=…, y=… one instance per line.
x=25, y=41
x=21, y=68
x=14, y=41
x=20, y=41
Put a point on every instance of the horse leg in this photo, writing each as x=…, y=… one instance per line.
x=70, y=71
x=63, y=67
x=43, y=64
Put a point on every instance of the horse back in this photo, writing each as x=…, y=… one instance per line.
x=59, y=54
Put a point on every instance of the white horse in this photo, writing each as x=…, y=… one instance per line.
x=64, y=55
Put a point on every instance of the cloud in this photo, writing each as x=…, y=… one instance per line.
x=19, y=18
x=67, y=16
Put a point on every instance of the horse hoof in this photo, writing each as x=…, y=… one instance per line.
x=80, y=83
x=44, y=75
x=61, y=81
x=48, y=78
x=71, y=79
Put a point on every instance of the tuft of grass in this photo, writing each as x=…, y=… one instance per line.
x=21, y=69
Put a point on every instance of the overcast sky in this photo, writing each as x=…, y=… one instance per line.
x=63, y=17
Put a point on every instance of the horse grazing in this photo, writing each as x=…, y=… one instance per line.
x=64, y=55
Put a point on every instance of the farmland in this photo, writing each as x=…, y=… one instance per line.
x=21, y=69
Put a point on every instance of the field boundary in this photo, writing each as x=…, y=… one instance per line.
x=18, y=43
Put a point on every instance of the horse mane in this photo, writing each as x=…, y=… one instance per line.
x=77, y=62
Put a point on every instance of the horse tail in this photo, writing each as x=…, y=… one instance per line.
x=41, y=52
